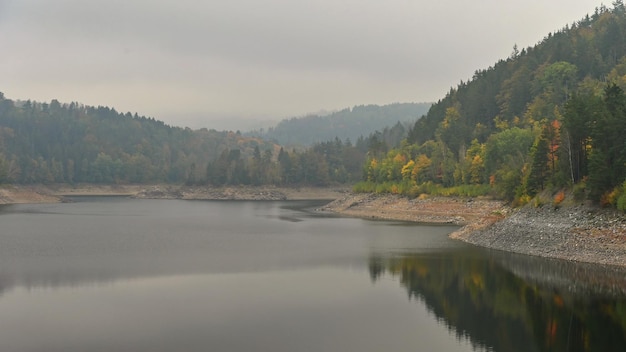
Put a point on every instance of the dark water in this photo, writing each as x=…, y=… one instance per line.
x=116, y=274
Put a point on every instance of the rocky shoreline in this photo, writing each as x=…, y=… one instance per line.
x=580, y=233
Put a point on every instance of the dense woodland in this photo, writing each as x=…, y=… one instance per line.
x=550, y=117
x=347, y=124
x=72, y=143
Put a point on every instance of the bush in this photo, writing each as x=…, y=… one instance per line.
x=580, y=190
x=558, y=198
x=621, y=201
x=364, y=187
x=410, y=189
x=610, y=198
x=522, y=200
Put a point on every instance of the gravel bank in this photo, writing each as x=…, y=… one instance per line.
x=580, y=233
x=575, y=233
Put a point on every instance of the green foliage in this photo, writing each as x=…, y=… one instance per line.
x=460, y=191
x=539, y=166
x=579, y=191
x=412, y=190
x=508, y=150
x=621, y=197
x=608, y=157
x=364, y=187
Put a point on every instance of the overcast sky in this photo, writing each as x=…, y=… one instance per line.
x=197, y=63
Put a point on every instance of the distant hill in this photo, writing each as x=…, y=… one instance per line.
x=55, y=142
x=361, y=120
x=72, y=143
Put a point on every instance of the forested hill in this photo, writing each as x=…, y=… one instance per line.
x=72, y=143
x=360, y=121
x=54, y=142
x=549, y=116
x=532, y=82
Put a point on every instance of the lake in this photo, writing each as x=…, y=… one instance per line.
x=119, y=274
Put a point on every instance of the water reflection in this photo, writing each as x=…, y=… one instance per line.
x=516, y=303
x=129, y=275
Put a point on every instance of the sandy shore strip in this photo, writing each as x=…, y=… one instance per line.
x=26, y=194
x=15, y=194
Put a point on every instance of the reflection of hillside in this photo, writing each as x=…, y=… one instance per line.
x=478, y=298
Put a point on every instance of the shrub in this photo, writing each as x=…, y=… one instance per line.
x=558, y=198
x=579, y=191
x=364, y=187
x=621, y=201
x=523, y=200
x=610, y=198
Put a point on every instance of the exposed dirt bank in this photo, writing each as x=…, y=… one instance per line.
x=442, y=210
x=26, y=194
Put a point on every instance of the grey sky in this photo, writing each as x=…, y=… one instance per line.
x=193, y=63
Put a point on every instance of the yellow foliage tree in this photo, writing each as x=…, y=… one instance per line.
x=407, y=170
x=422, y=164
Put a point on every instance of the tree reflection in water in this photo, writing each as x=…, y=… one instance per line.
x=515, y=303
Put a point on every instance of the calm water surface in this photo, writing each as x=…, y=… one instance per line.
x=117, y=274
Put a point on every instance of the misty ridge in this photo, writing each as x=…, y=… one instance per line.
x=346, y=124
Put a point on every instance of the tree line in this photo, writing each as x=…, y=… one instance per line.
x=72, y=143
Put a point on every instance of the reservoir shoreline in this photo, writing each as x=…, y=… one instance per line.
x=580, y=233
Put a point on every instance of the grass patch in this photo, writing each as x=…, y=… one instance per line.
x=412, y=190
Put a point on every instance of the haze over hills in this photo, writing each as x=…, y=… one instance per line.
x=359, y=121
